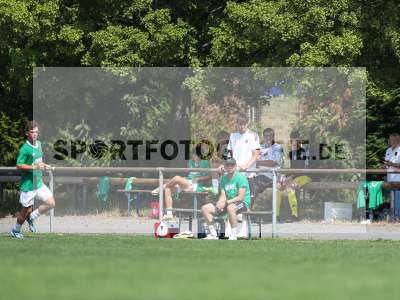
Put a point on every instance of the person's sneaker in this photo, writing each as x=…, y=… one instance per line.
x=241, y=236
x=365, y=222
x=210, y=237
x=168, y=217
x=16, y=234
x=155, y=192
x=232, y=238
x=31, y=225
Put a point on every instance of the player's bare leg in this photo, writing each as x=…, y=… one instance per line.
x=170, y=187
x=23, y=214
x=231, y=209
x=208, y=211
x=43, y=208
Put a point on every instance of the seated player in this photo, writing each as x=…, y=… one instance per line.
x=194, y=182
x=298, y=160
x=271, y=155
x=234, y=199
x=31, y=164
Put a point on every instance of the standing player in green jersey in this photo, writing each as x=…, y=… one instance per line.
x=234, y=199
x=30, y=162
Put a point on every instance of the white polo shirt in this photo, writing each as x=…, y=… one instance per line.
x=275, y=153
x=242, y=147
x=393, y=155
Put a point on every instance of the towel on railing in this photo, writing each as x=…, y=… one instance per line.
x=103, y=188
x=375, y=197
x=128, y=187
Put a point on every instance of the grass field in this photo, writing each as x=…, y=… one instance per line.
x=98, y=267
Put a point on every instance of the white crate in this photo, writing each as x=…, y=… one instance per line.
x=337, y=211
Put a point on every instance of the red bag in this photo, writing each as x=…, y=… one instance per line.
x=155, y=209
x=166, y=229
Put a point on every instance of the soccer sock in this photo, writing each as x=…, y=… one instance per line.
x=278, y=202
x=212, y=229
x=228, y=229
x=243, y=229
x=233, y=232
x=169, y=212
x=35, y=214
x=17, y=227
x=293, y=202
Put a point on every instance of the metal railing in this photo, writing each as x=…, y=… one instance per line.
x=12, y=174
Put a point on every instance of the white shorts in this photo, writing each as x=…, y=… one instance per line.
x=43, y=194
x=191, y=188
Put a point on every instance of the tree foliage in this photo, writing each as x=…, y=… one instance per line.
x=133, y=33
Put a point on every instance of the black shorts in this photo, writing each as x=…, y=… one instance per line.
x=240, y=207
x=258, y=184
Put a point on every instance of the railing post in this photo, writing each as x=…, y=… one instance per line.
x=195, y=207
x=392, y=203
x=51, y=183
x=274, y=183
x=161, y=193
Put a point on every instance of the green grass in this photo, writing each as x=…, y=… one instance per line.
x=131, y=267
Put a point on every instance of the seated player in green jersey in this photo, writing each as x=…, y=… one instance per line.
x=31, y=164
x=193, y=182
x=234, y=199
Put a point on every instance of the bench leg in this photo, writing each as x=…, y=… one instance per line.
x=194, y=206
x=179, y=221
x=259, y=227
x=190, y=223
x=137, y=201
x=248, y=226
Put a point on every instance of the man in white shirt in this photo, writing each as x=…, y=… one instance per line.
x=244, y=146
x=392, y=162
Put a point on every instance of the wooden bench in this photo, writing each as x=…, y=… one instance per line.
x=259, y=214
x=186, y=211
x=221, y=220
x=183, y=211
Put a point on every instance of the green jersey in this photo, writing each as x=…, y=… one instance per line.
x=193, y=175
x=374, y=194
x=29, y=155
x=231, y=187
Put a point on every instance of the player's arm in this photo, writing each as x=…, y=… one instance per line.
x=24, y=167
x=391, y=164
x=267, y=163
x=217, y=163
x=276, y=161
x=255, y=156
x=203, y=178
x=239, y=197
x=38, y=166
x=221, y=200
